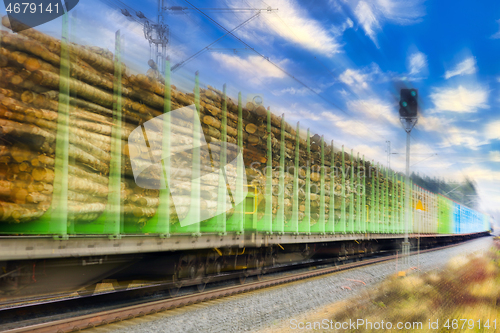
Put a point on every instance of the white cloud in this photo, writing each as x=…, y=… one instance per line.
x=291, y=91
x=493, y=130
x=366, y=124
x=354, y=128
x=421, y=149
x=293, y=24
x=357, y=79
x=371, y=15
x=430, y=123
x=460, y=99
x=336, y=6
x=339, y=30
x=496, y=35
x=375, y=109
x=368, y=20
x=401, y=12
x=456, y=136
x=417, y=63
x=487, y=180
x=348, y=23
x=343, y=92
x=253, y=68
x=489, y=197
x=348, y=126
x=96, y=25
x=468, y=66
x=371, y=152
x=495, y=156
x=478, y=172
x=462, y=137
x=354, y=78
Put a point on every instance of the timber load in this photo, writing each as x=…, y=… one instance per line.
x=30, y=79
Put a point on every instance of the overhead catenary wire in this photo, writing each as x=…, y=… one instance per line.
x=281, y=69
x=457, y=161
x=424, y=159
x=291, y=30
x=177, y=66
x=300, y=81
x=119, y=5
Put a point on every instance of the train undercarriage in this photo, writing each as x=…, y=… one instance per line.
x=20, y=278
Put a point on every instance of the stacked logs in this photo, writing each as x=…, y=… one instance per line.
x=29, y=105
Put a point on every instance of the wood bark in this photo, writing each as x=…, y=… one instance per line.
x=29, y=84
x=54, y=45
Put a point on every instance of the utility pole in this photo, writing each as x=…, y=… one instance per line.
x=158, y=37
x=158, y=34
x=408, y=117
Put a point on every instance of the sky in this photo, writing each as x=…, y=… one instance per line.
x=336, y=66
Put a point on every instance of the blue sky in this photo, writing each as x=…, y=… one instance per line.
x=355, y=56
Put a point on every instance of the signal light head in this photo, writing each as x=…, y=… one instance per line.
x=408, y=103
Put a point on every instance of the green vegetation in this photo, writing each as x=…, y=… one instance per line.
x=468, y=288
x=464, y=192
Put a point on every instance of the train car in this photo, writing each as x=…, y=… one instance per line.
x=445, y=218
x=102, y=169
x=425, y=213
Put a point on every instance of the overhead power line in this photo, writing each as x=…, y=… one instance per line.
x=278, y=67
x=177, y=66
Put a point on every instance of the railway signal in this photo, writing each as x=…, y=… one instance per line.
x=408, y=103
x=408, y=113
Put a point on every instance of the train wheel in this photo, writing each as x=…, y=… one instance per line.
x=256, y=263
x=217, y=267
x=174, y=290
x=273, y=261
x=201, y=286
x=201, y=272
x=191, y=271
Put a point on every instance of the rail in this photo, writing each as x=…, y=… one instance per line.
x=139, y=310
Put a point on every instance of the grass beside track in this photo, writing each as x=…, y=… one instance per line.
x=468, y=288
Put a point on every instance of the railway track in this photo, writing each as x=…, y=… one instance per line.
x=117, y=313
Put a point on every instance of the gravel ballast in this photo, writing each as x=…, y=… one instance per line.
x=264, y=308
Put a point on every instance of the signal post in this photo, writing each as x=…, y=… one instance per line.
x=408, y=113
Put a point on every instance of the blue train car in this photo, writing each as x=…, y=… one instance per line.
x=456, y=218
x=467, y=220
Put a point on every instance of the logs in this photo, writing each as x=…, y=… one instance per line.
x=29, y=111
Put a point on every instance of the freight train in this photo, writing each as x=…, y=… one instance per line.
x=104, y=172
